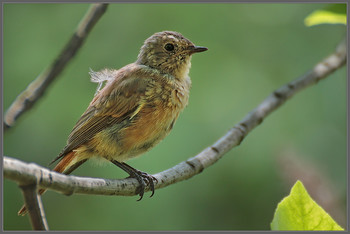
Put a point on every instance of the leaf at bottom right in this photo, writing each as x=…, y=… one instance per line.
x=298, y=211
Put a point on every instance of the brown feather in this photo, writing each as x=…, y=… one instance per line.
x=117, y=101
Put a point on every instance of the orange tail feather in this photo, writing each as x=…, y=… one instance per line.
x=64, y=164
x=67, y=164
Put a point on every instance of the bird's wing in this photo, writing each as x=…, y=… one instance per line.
x=117, y=101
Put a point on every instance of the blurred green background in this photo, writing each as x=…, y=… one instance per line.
x=253, y=50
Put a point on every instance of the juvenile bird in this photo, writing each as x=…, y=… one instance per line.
x=135, y=110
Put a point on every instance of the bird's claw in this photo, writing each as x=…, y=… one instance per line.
x=144, y=178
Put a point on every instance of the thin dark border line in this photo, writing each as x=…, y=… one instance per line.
x=182, y=2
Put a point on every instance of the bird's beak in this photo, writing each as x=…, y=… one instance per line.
x=197, y=49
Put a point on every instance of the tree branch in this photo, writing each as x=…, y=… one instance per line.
x=35, y=208
x=36, y=88
x=24, y=173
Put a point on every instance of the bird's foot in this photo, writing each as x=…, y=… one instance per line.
x=144, y=179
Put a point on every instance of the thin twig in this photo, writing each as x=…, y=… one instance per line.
x=36, y=88
x=34, y=206
x=22, y=172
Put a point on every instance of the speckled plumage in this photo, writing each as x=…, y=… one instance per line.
x=136, y=108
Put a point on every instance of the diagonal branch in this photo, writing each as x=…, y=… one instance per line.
x=25, y=173
x=36, y=88
x=35, y=208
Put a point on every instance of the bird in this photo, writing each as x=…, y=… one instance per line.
x=137, y=107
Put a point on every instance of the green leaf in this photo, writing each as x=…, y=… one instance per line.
x=299, y=212
x=333, y=14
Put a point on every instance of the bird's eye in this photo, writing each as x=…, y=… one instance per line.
x=169, y=47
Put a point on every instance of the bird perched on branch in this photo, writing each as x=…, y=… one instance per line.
x=135, y=110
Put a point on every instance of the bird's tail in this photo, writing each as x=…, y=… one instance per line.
x=67, y=164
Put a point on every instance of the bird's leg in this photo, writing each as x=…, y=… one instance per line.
x=141, y=177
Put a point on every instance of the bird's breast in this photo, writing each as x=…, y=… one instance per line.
x=156, y=118
x=159, y=109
